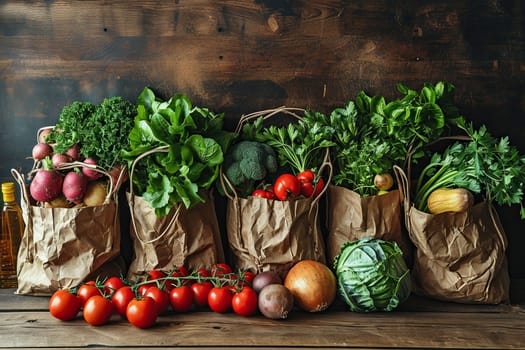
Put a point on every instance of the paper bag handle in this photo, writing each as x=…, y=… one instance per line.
x=131, y=201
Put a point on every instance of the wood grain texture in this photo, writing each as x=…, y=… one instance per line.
x=418, y=323
x=242, y=56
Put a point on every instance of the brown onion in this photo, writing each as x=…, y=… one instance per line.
x=312, y=284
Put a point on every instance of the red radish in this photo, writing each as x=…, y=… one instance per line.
x=90, y=173
x=73, y=152
x=46, y=185
x=41, y=150
x=43, y=134
x=59, y=159
x=74, y=186
x=118, y=171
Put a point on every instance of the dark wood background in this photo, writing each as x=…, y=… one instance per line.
x=242, y=56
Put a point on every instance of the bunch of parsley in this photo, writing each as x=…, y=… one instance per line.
x=485, y=164
x=372, y=135
x=300, y=145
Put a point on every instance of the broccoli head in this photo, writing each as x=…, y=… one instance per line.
x=247, y=162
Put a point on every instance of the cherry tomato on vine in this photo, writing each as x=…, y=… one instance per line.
x=310, y=182
x=220, y=269
x=142, y=313
x=160, y=297
x=178, y=272
x=121, y=298
x=220, y=299
x=181, y=298
x=286, y=187
x=97, y=310
x=112, y=284
x=86, y=291
x=200, y=291
x=141, y=290
x=154, y=275
x=248, y=277
x=64, y=305
x=202, y=272
x=245, y=302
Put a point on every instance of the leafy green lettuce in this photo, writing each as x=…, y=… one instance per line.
x=175, y=150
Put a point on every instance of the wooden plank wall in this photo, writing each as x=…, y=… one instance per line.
x=243, y=56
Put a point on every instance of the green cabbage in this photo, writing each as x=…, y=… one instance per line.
x=372, y=275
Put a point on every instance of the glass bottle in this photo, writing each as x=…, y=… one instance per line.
x=10, y=236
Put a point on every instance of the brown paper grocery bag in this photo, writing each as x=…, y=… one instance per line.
x=267, y=234
x=351, y=217
x=184, y=237
x=459, y=257
x=61, y=247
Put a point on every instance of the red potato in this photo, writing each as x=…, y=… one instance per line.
x=262, y=279
x=90, y=173
x=41, y=150
x=46, y=185
x=74, y=186
x=275, y=301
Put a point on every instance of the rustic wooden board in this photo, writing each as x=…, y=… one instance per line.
x=419, y=323
x=338, y=329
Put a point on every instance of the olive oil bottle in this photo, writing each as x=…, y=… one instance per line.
x=10, y=236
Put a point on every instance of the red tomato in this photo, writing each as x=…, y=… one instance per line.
x=181, y=298
x=178, y=272
x=97, y=310
x=200, y=291
x=220, y=299
x=286, y=187
x=248, y=277
x=220, y=269
x=141, y=290
x=160, y=297
x=202, y=272
x=154, y=275
x=262, y=193
x=245, y=302
x=142, y=313
x=112, y=284
x=86, y=291
x=121, y=298
x=310, y=182
x=64, y=305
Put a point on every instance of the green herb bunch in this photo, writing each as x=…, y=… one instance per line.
x=300, y=145
x=193, y=143
x=372, y=135
x=101, y=131
x=485, y=165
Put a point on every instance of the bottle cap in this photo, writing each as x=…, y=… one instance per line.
x=8, y=191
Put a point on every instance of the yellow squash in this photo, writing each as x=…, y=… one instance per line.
x=449, y=200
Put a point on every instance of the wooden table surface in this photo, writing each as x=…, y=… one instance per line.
x=419, y=323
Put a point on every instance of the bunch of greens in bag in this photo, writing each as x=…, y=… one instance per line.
x=187, y=145
x=483, y=165
x=100, y=131
x=372, y=134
